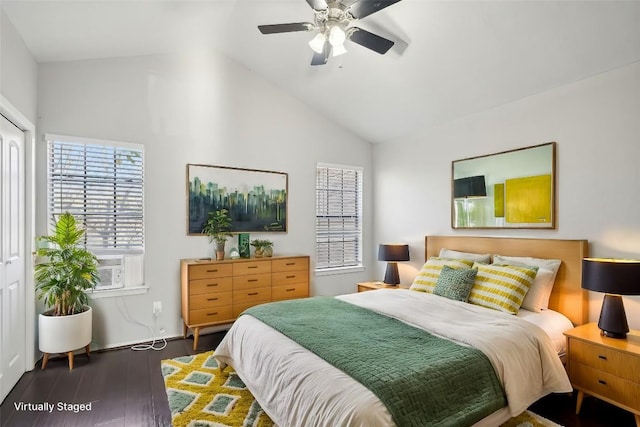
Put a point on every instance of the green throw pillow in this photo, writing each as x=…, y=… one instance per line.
x=455, y=283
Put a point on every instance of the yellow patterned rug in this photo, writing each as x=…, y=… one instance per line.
x=202, y=396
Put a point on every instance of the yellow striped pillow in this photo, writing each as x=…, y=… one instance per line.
x=501, y=287
x=426, y=280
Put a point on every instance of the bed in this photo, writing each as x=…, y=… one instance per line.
x=296, y=387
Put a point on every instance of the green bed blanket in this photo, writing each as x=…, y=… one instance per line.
x=423, y=380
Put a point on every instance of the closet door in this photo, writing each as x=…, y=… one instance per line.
x=12, y=256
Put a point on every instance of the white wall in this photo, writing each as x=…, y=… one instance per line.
x=595, y=123
x=195, y=108
x=18, y=70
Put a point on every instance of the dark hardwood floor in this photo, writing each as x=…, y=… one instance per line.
x=125, y=388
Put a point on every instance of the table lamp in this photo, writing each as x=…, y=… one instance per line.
x=614, y=277
x=392, y=254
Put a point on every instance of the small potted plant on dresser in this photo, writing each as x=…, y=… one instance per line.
x=263, y=247
x=218, y=228
x=63, y=277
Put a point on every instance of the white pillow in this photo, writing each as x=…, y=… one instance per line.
x=451, y=254
x=537, y=298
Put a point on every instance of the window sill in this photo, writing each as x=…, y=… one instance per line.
x=340, y=270
x=109, y=293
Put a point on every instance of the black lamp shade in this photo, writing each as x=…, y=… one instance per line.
x=393, y=254
x=471, y=186
x=614, y=278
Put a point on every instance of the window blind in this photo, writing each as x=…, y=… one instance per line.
x=338, y=216
x=101, y=184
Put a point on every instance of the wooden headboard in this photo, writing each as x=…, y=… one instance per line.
x=567, y=296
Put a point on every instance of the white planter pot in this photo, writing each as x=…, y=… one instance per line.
x=61, y=334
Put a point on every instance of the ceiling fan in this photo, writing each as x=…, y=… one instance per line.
x=332, y=21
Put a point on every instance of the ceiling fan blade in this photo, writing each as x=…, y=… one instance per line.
x=318, y=4
x=286, y=28
x=370, y=40
x=366, y=7
x=323, y=57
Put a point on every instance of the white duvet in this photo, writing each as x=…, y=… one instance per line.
x=297, y=388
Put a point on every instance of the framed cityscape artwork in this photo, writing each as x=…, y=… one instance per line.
x=256, y=199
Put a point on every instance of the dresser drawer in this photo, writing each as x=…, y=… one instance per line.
x=289, y=277
x=251, y=267
x=239, y=308
x=605, y=385
x=289, y=291
x=257, y=295
x=251, y=281
x=205, y=286
x=210, y=315
x=215, y=299
x=605, y=359
x=208, y=271
x=290, y=264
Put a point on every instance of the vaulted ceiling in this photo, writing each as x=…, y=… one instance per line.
x=451, y=58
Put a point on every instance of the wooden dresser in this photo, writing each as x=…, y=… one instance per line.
x=607, y=368
x=216, y=292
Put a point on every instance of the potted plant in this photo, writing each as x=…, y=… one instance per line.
x=218, y=228
x=263, y=247
x=63, y=278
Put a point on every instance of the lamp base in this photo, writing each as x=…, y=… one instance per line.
x=391, y=276
x=613, y=319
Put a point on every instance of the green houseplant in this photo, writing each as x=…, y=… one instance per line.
x=63, y=278
x=263, y=247
x=218, y=228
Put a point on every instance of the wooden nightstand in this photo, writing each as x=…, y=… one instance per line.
x=607, y=368
x=370, y=286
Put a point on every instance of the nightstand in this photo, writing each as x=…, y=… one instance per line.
x=370, y=286
x=606, y=368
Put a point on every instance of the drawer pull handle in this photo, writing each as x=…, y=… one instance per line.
x=210, y=285
x=212, y=299
x=291, y=263
x=602, y=357
x=212, y=271
x=212, y=314
x=602, y=382
x=253, y=266
x=252, y=280
x=291, y=290
x=291, y=277
x=253, y=293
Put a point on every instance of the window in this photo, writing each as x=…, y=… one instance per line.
x=101, y=183
x=338, y=217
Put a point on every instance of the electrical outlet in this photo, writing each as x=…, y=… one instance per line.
x=157, y=307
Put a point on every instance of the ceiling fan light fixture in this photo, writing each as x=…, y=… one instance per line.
x=337, y=36
x=317, y=43
x=338, y=50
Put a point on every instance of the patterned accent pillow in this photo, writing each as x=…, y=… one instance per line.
x=425, y=281
x=455, y=283
x=537, y=298
x=501, y=287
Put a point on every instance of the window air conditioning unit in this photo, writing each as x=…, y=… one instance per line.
x=110, y=271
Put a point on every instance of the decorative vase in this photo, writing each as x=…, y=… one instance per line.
x=259, y=252
x=219, y=251
x=243, y=245
x=267, y=251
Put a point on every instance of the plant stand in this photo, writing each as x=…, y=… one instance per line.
x=45, y=358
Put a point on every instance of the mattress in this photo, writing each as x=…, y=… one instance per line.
x=297, y=388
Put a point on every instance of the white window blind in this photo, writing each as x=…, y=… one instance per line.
x=338, y=216
x=101, y=183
